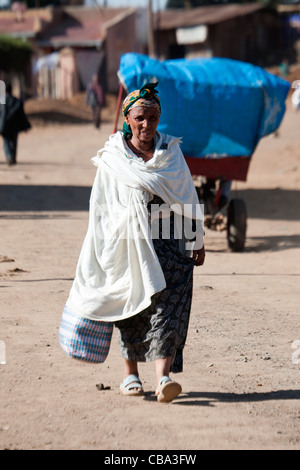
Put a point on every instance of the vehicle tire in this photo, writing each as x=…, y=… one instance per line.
x=236, y=224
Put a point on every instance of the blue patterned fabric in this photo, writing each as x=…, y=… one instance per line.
x=84, y=339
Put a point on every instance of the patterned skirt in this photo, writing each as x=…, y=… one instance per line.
x=160, y=331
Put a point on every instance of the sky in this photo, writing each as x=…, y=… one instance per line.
x=156, y=4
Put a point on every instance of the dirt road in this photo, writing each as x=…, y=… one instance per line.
x=241, y=379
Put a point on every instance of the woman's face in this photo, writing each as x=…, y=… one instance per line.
x=143, y=122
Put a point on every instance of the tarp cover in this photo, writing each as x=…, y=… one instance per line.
x=220, y=107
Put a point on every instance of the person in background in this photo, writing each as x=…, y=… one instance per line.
x=12, y=121
x=95, y=99
x=296, y=95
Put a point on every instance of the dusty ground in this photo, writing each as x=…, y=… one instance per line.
x=241, y=382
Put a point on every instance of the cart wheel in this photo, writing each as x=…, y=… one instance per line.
x=236, y=224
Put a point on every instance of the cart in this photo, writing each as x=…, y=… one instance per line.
x=221, y=108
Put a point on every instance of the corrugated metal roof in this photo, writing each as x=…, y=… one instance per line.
x=78, y=26
x=25, y=28
x=70, y=31
x=173, y=19
x=27, y=25
x=81, y=27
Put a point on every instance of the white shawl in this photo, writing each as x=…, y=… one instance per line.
x=118, y=270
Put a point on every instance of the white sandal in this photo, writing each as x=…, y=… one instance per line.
x=167, y=390
x=132, y=386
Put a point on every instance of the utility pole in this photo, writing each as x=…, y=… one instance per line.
x=151, y=51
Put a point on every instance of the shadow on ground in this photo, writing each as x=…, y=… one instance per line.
x=209, y=398
x=29, y=198
x=270, y=204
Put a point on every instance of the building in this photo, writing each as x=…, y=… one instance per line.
x=72, y=43
x=248, y=32
x=95, y=38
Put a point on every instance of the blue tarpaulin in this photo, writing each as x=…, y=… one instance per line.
x=220, y=107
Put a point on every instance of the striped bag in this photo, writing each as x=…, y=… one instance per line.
x=84, y=339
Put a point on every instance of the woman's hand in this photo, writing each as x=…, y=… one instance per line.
x=199, y=256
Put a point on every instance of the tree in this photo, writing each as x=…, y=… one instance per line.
x=14, y=53
x=175, y=4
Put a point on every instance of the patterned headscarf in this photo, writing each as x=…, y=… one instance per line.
x=146, y=97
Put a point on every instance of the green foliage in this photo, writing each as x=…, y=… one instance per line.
x=44, y=3
x=175, y=4
x=14, y=53
x=187, y=3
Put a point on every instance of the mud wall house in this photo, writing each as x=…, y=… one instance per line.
x=127, y=33
x=86, y=41
x=247, y=32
